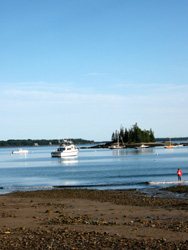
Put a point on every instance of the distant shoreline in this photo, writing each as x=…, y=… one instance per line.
x=105, y=145
x=102, y=144
x=134, y=145
x=40, y=142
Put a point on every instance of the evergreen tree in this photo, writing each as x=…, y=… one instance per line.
x=152, y=137
x=113, y=137
x=126, y=136
x=134, y=135
x=121, y=134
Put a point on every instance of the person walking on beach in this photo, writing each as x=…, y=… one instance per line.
x=179, y=173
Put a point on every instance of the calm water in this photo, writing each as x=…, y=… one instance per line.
x=96, y=169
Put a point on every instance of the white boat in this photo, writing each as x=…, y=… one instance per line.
x=116, y=145
x=20, y=151
x=142, y=146
x=66, y=149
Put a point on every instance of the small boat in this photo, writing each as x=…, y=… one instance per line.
x=170, y=145
x=20, y=151
x=142, y=146
x=66, y=149
x=116, y=145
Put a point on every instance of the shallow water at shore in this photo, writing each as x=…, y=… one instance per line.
x=93, y=169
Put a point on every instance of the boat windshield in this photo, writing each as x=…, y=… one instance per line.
x=61, y=149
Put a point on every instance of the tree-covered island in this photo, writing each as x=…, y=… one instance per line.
x=133, y=135
x=131, y=138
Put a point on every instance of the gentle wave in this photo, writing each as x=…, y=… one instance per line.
x=166, y=182
x=140, y=175
x=75, y=186
x=95, y=185
x=20, y=188
x=99, y=185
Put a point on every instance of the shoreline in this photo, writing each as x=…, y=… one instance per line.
x=175, y=191
x=92, y=219
x=104, y=145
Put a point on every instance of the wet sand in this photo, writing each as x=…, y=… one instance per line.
x=92, y=219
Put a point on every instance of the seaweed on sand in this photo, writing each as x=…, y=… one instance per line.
x=177, y=189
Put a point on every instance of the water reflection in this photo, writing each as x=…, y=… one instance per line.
x=69, y=160
x=120, y=152
x=19, y=156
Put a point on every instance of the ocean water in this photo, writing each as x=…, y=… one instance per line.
x=92, y=169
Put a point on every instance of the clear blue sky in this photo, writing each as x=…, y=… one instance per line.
x=82, y=68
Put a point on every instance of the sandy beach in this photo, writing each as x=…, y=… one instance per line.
x=92, y=219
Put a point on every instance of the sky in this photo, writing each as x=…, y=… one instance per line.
x=82, y=68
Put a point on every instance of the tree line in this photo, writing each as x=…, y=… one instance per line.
x=172, y=139
x=133, y=135
x=42, y=142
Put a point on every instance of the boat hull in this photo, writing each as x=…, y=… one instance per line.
x=115, y=147
x=64, y=154
x=142, y=147
x=20, y=152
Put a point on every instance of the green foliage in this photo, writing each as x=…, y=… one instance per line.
x=133, y=135
x=43, y=142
